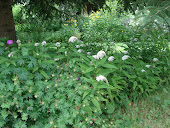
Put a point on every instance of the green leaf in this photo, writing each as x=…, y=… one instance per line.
x=44, y=74
x=91, y=81
x=24, y=116
x=49, y=61
x=104, y=72
x=86, y=93
x=3, y=59
x=105, y=86
x=7, y=64
x=5, y=105
x=61, y=50
x=25, y=51
x=103, y=60
x=13, y=62
x=96, y=103
x=34, y=69
x=109, y=66
x=83, y=66
x=89, y=70
x=45, y=55
x=141, y=88
x=134, y=85
x=110, y=108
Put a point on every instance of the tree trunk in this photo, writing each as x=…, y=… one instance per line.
x=7, y=26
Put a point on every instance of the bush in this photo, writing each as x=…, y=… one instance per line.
x=51, y=85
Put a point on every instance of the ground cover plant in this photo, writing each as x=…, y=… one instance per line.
x=85, y=75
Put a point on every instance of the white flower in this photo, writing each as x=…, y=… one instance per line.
x=88, y=53
x=10, y=54
x=101, y=78
x=125, y=57
x=82, y=45
x=136, y=39
x=77, y=46
x=101, y=54
x=36, y=44
x=18, y=41
x=111, y=43
x=125, y=52
x=37, y=54
x=72, y=39
x=79, y=51
x=44, y=43
x=56, y=59
x=58, y=44
x=111, y=58
x=95, y=57
x=147, y=66
x=155, y=59
x=65, y=53
x=143, y=70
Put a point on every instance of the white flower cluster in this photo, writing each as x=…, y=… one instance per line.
x=82, y=45
x=77, y=46
x=155, y=59
x=125, y=57
x=44, y=43
x=125, y=52
x=18, y=41
x=58, y=44
x=36, y=44
x=65, y=53
x=80, y=50
x=99, y=55
x=56, y=59
x=72, y=39
x=101, y=78
x=148, y=66
x=143, y=70
x=111, y=58
x=88, y=53
x=10, y=54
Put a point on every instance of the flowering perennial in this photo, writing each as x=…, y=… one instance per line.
x=101, y=54
x=18, y=41
x=111, y=58
x=88, y=53
x=72, y=39
x=125, y=52
x=77, y=46
x=143, y=70
x=36, y=44
x=96, y=57
x=10, y=42
x=148, y=66
x=101, y=78
x=79, y=51
x=125, y=57
x=155, y=59
x=44, y=43
x=58, y=44
x=10, y=54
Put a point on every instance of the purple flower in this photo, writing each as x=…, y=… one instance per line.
x=10, y=42
x=78, y=78
x=28, y=108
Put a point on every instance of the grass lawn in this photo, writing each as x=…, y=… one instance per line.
x=150, y=112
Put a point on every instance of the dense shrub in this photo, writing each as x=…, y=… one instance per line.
x=64, y=85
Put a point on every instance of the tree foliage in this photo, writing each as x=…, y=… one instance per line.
x=50, y=8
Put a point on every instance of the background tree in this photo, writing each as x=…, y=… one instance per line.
x=7, y=27
x=43, y=9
